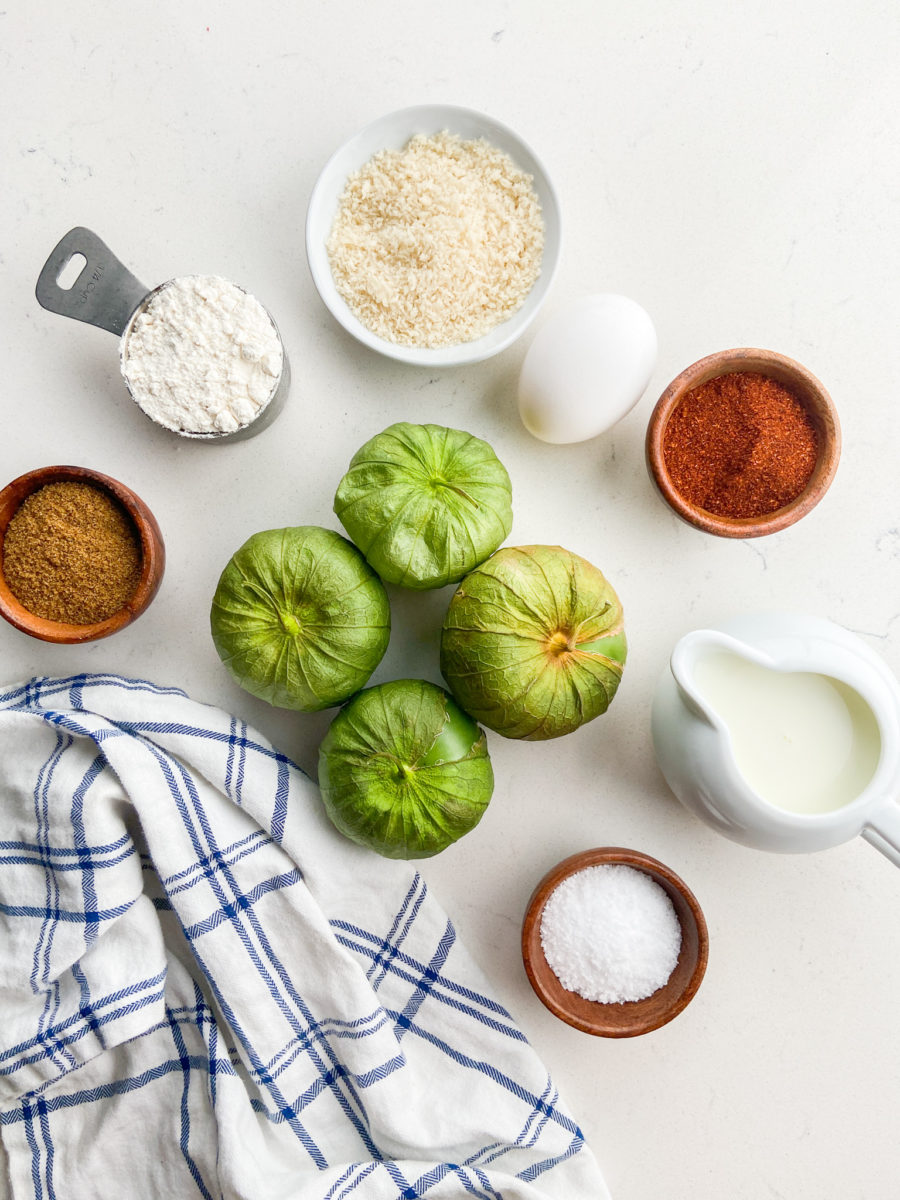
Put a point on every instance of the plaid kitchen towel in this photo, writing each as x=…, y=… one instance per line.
x=206, y=991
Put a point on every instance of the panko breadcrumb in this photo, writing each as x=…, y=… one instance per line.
x=437, y=243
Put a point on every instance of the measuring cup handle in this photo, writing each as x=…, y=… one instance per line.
x=882, y=830
x=105, y=294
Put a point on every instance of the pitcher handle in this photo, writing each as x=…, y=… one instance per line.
x=104, y=294
x=882, y=830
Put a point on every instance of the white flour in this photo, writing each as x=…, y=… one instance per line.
x=202, y=356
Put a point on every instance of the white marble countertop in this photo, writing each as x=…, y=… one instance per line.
x=734, y=169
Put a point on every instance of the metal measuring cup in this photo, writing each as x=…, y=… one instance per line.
x=107, y=295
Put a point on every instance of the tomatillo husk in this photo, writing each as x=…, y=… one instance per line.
x=425, y=503
x=299, y=618
x=533, y=643
x=404, y=771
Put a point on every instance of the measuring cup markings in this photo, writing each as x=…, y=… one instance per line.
x=105, y=293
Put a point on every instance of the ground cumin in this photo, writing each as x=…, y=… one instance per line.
x=71, y=553
x=741, y=445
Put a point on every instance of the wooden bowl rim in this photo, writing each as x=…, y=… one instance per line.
x=607, y=1020
x=152, y=555
x=810, y=391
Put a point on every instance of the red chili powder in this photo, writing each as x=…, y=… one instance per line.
x=740, y=445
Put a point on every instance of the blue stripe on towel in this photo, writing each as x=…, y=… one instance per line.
x=192, y=945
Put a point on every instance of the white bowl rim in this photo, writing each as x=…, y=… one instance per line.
x=504, y=334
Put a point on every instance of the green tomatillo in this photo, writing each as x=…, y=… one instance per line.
x=404, y=771
x=533, y=643
x=299, y=618
x=425, y=503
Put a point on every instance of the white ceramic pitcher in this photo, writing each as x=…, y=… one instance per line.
x=695, y=752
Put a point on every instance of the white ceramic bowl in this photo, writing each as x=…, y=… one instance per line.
x=392, y=132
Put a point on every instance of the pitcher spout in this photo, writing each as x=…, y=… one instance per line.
x=695, y=648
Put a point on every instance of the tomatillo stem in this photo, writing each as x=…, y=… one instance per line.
x=559, y=643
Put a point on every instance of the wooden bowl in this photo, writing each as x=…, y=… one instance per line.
x=632, y=1017
x=152, y=552
x=811, y=394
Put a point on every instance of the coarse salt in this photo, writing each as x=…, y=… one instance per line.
x=611, y=934
x=202, y=355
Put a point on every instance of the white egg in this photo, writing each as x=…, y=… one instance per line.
x=588, y=366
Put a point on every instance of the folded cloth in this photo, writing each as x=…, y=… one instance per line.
x=206, y=991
